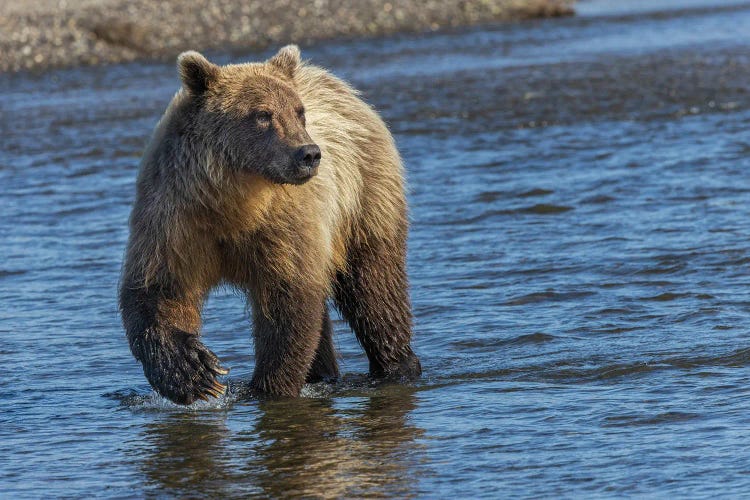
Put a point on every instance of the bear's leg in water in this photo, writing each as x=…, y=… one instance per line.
x=162, y=326
x=373, y=296
x=324, y=366
x=287, y=328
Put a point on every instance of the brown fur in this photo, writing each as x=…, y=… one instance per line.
x=214, y=205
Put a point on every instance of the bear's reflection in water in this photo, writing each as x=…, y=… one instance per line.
x=297, y=447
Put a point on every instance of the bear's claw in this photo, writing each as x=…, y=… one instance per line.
x=216, y=389
x=181, y=368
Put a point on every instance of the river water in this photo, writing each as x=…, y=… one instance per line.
x=579, y=260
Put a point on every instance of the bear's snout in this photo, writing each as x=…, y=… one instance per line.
x=306, y=161
x=308, y=156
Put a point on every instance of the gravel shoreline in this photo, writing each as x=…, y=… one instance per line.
x=41, y=34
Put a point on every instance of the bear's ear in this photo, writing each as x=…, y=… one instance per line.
x=287, y=60
x=196, y=72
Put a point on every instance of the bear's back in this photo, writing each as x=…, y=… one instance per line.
x=361, y=168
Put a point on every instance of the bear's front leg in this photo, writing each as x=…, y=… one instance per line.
x=162, y=329
x=287, y=330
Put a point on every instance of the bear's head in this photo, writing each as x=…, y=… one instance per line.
x=249, y=117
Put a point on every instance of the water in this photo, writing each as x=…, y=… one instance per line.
x=579, y=263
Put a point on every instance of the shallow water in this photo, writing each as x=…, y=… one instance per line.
x=579, y=264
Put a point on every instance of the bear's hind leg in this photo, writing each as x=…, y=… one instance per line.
x=325, y=367
x=373, y=296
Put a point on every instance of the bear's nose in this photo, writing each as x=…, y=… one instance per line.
x=308, y=156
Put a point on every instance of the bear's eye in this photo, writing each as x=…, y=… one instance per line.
x=263, y=117
x=301, y=115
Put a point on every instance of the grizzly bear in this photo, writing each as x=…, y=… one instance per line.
x=274, y=178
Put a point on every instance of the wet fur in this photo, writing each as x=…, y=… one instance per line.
x=210, y=209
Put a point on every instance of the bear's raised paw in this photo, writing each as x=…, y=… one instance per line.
x=181, y=368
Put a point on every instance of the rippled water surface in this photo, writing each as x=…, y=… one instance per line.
x=579, y=258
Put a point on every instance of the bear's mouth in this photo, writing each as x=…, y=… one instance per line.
x=303, y=174
x=294, y=175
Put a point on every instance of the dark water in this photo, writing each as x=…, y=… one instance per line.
x=579, y=259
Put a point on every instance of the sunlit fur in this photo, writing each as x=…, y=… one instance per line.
x=210, y=210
